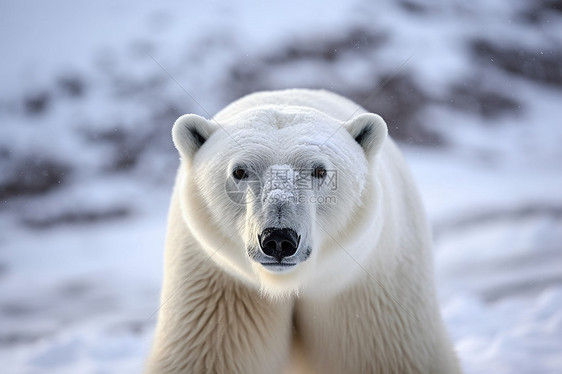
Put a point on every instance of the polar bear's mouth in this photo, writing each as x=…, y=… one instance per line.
x=273, y=265
x=277, y=267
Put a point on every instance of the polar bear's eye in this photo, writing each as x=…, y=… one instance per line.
x=319, y=172
x=239, y=174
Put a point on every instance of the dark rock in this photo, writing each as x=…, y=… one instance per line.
x=244, y=78
x=326, y=49
x=475, y=97
x=126, y=146
x=131, y=327
x=18, y=310
x=515, y=214
x=413, y=6
x=17, y=338
x=126, y=86
x=75, y=290
x=126, y=158
x=36, y=102
x=541, y=10
x=251, y=75
x=543, y=66
x=30, y=175
x=76, y=217
x=399, y=100
x=519, y=288
x=72, y=85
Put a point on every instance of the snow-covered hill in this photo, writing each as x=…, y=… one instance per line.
x=472, y=90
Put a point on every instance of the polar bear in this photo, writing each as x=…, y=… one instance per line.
x=296, y=243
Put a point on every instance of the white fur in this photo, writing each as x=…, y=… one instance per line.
x=362, y=302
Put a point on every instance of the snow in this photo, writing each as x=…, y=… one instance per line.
x=89, y=93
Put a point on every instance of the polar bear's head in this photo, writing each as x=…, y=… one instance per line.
x=275, y=194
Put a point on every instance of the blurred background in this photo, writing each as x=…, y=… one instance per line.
x=472, y=91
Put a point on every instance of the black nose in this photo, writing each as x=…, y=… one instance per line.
x=279, y=243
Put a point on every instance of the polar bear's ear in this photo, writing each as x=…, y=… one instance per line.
x=369, y=130
x=189, y=133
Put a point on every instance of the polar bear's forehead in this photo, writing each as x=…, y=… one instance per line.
x=284, y=128
x=279, y=117
x=294, y=135
x=302, y=144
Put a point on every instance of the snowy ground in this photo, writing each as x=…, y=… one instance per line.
x=472, y=90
